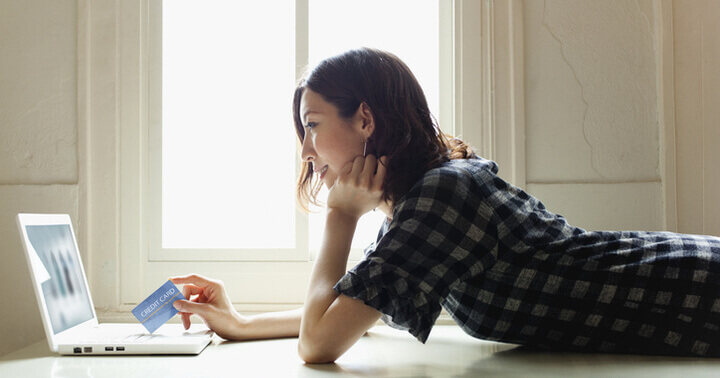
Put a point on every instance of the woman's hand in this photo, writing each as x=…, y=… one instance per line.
x=358, y=188
x=209, y=300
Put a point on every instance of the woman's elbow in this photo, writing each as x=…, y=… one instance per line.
x=316, y=358
x=316, y=352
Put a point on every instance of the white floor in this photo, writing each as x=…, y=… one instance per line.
x=384, y=352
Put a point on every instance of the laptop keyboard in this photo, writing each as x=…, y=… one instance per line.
x=114, y=335
x=138, y=338
x=107, y=336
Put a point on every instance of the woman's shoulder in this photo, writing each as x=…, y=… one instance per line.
x=454, y=181
x=460, y=172
x=471, y=165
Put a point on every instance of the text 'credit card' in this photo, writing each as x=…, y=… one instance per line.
x=158, y=308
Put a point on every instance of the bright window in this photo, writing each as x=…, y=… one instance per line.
x=228, y=145
x=228, y=148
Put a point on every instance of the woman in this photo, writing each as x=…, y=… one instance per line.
x=459, y=237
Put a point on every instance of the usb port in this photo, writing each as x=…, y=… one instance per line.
x=109, y=349
x=88, y=349
x=77, y=350
x=120, y=349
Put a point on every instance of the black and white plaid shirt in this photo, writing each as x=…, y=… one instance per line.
x=508, y=270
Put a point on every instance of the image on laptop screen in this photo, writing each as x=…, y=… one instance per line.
x=65, y=294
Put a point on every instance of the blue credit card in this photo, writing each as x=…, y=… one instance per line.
x=158, y=308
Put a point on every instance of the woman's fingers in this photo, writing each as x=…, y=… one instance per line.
x=358, y=188
x=200, y=293
x=365, y=169
x=380, y=173
x=190, y=289
x=193, y=285
x=191, y=307
x=194, y=279
x=366, y=172
x=365, y=177
x=357, y=166
x=346, y=171
x=185, y=316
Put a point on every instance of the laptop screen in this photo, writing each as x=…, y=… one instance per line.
x=63, y=286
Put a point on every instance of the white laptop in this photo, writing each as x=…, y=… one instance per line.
x=66, y=307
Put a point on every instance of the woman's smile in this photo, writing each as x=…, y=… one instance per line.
x=322, y=171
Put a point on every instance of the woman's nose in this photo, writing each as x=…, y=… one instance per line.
x=308, y=152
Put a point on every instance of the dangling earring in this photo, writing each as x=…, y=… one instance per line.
x=365, y=150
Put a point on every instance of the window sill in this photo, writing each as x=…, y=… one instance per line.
x=123, y=315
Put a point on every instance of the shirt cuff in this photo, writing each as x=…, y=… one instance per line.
x=396, y=295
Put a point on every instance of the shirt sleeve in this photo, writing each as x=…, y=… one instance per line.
x=441, y=234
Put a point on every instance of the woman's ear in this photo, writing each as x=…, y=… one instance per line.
x=367, y=121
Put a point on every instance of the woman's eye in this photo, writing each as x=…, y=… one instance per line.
x=310, y=125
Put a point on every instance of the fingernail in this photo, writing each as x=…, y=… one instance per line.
x=176, y=304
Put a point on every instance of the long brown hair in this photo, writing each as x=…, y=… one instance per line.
x=405, y=131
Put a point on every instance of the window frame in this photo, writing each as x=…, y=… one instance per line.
x=153, y=210
x=114, y=94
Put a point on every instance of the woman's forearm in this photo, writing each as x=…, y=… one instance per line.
x=332, y=323
x=330, y=266
x=271, y=325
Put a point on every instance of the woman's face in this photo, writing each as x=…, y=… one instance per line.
x=330, y=142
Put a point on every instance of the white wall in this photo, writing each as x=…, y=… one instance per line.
x=38, y=142
x=621, y=112
x=591, y=112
